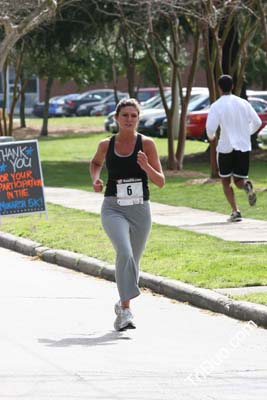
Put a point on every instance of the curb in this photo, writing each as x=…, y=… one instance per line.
x=201, y=298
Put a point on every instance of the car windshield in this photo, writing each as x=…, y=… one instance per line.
x=71, y=96
x=106, y=99
x=111, y=98
x=94, y=96
x=90, y=96
x=144, y=95
x=155, y=100
x=151, y=102
x=198, y=102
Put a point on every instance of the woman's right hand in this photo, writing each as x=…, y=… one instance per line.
x=98, y=185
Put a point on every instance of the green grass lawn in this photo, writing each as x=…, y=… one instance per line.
x=198, y=259
x=82, y=147
x=260, y=298
x=65, y=164
x=201, y=260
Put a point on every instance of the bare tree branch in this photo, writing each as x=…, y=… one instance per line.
x=20, y=17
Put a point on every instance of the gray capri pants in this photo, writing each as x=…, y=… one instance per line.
x=128, y=228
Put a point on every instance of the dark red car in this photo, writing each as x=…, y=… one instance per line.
x=196, y=120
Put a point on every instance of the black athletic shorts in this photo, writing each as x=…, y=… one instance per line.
x=235, y=163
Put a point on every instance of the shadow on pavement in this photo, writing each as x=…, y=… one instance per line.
x=104, y=340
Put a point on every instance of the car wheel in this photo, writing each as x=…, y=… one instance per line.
x=161, y=133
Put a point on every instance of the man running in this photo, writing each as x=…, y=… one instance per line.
x=238, y=121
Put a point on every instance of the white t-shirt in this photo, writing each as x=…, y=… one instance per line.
x=237, y=120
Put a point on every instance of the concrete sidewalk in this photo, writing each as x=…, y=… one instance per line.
x=200, y=221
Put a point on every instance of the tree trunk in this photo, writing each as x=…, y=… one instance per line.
x=210, y=70
x=1, y=117
x=129, y=60
x=44, y=130
x=16, y=89
x=22, y=104
x=115, y=79
x=181, y=141
x=10, y=119
x=131, y=77
x=172, y=162
x=5, y=128
x=185, y=101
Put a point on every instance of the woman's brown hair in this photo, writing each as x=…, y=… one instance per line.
x=127, y=103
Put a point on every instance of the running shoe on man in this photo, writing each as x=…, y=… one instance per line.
x=124, y=319
x=250, y=193
x=235, y=217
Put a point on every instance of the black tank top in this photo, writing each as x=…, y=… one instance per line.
x=124, y=167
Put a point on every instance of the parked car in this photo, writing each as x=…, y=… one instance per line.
x=110, y=124
x=38, y=107
x=199, y=100
x=56, y=104
x=109, y=121
x=107, y=105
x=92, y=96
x=196, y=120
x=87, y=108
x=198, y=112
x=148, y=124
x=143, y=94
x=155, y=101
x=151, y=119
x=260, y=94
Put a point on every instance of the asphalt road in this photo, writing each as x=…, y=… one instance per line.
x=57, y=342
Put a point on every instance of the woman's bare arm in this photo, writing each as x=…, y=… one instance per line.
x=96, y=164
x=149, y=161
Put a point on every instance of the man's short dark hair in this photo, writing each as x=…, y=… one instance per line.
x=225, y=83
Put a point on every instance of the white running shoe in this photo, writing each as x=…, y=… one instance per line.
x=124, y=319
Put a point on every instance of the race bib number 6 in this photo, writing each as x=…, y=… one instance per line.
x=129, y=192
